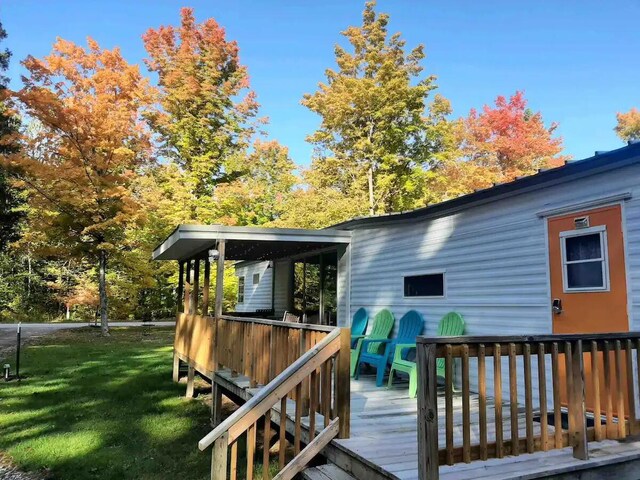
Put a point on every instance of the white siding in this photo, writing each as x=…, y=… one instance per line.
x=494, y=256
x=255, y=296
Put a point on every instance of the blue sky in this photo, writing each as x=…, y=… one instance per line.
x=577, y=61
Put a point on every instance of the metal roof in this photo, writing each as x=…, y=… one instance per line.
x=600, y=162
x=246, y=243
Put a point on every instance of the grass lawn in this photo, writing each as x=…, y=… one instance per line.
x=94, y=407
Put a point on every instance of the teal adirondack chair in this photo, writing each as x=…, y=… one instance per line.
x=450, y=325
x=358, y=325
x=382, y=327
x=410, y=327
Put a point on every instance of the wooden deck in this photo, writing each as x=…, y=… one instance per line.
x=383, y=442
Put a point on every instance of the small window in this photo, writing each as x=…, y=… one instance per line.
x=256, y=278
x=428, y=285
x=584, y=260
x=240, y=289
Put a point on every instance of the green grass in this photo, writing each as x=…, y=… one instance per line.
x=94, y=407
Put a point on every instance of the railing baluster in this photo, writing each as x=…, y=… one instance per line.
x=251, y=449
x=283, y=432
x=542, y=394
x=606, y=366
x=466, y=414
x=528, y=396
x=326, y=391
x=557, y=401
x=577, y=410
x=448, y=399
x=266, y=439
x=620, y=387
x=233, y=468
x=633, y=422
x=219, y=458
x=313, y=398
x=595, y=382
x=497, y=387
x=482, y=391
x=298, y=421
x=513, y=399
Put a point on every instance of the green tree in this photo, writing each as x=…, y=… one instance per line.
x=10, y=199
x=206, y=120
x=376, y=136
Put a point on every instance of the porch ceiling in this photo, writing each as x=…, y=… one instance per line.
x=247, y=243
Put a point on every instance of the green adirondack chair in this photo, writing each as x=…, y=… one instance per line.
x=450, y=325
x=382, y=327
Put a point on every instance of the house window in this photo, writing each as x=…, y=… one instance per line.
x=256, y=278
x=427, y=285
x=585, y=266
x=240, y=289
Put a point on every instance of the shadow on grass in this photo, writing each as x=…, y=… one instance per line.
x=95, y=407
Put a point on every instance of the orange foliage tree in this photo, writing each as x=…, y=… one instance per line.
x=79, y=163
x=499, y=144
x=628, y=127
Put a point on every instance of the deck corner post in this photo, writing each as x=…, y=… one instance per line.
x=195, y=290
x=577, y=407
x=343, y=380
x=176, y=367
x=428, y=462
x=219, y=457
x=205, y=287
x=180, y=292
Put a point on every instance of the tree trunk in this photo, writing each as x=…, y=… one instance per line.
x=68, y=312
x=371, y=202
x=104, y=322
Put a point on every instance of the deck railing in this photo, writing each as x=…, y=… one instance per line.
x=562, y=390
x=319, y=375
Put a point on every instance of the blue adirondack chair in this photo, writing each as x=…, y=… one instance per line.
x=358, y=325
x=410, y=327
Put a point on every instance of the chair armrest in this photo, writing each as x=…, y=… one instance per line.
x=355, y=337
x=400, y=347
x=376, y=340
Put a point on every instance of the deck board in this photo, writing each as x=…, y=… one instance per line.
x=384, y=433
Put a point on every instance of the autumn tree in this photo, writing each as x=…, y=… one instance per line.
x=79, y=166
x=499, y=144
x=207, y=113
x=628, y=127
x=376, y=134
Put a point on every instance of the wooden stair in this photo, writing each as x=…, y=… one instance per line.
x=326, y=472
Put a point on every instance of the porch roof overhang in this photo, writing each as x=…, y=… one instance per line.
x=247, y=243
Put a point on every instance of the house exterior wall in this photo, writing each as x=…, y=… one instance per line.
x=255, y=296
x=282, y=300
x=494, y=257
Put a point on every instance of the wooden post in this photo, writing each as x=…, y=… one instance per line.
x=205, y=287
x=190, y=376
x=187, y=288
x=428, y=464
x=216, y=404
x=176, y=367
x=180, y=301
x=343, y=383
x=219, y=457
x=220, y=279
x=196, y=286
x=577, y=411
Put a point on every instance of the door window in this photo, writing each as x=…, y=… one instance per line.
x=584, y=260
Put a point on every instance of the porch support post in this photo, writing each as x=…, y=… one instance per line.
x=180, y=299
x=191, y=372
x=196, y=286
x=220, y=279
x=205, y=287
x=176, y=367
x=187, y=288
x=428, y=464
x=322, y=320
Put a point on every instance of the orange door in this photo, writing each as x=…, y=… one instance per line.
x=588, y=277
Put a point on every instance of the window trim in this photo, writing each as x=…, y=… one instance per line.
x=604, y=259
x=442, y=272
x=241, y=282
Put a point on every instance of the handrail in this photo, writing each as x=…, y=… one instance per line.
x=252, y=409
x=468, y=339
x=280, y=323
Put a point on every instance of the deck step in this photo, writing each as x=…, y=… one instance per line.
x=326, y=472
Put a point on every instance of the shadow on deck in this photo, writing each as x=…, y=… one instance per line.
x=383, y=442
